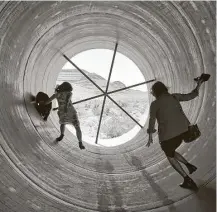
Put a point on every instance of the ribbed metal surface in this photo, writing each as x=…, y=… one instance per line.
x=172, y=41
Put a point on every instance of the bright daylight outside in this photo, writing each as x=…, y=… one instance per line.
x=116, y=126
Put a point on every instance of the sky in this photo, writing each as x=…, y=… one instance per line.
x=99, y=61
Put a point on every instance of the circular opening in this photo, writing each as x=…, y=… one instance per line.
x=116, y=126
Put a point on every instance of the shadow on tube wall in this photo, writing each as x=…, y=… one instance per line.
x=109, y=195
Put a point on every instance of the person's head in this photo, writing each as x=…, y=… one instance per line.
x=65, y=86
x=158, y=89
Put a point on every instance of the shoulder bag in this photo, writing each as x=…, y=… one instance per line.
x=193, y=132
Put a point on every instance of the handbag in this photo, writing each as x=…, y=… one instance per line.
x=192, y=134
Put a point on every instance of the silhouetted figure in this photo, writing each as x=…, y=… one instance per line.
x=172, y=125
x=66, y=111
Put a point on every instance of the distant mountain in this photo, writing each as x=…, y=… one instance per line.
x=115, y=122
x=118, y=84
x=75, y=77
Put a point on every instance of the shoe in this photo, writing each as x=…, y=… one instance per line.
x=81, y=146
x=45, y=118
x=191, y=168
x=60, y=138
x=189, y=184
x=202, y=78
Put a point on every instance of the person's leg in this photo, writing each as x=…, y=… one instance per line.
x=188, y=182
x=180, y=158
x=177, y=166
x=76, y=124
x=78, y=133
x=79, y=136
x=62, y=130
x=169, y=148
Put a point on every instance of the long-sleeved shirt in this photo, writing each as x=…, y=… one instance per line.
x=169, y=114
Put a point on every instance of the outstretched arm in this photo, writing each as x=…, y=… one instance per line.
x=50, y=99
x=186, y=97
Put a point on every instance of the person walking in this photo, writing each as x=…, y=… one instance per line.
x=66, y=111
x=172, y=125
